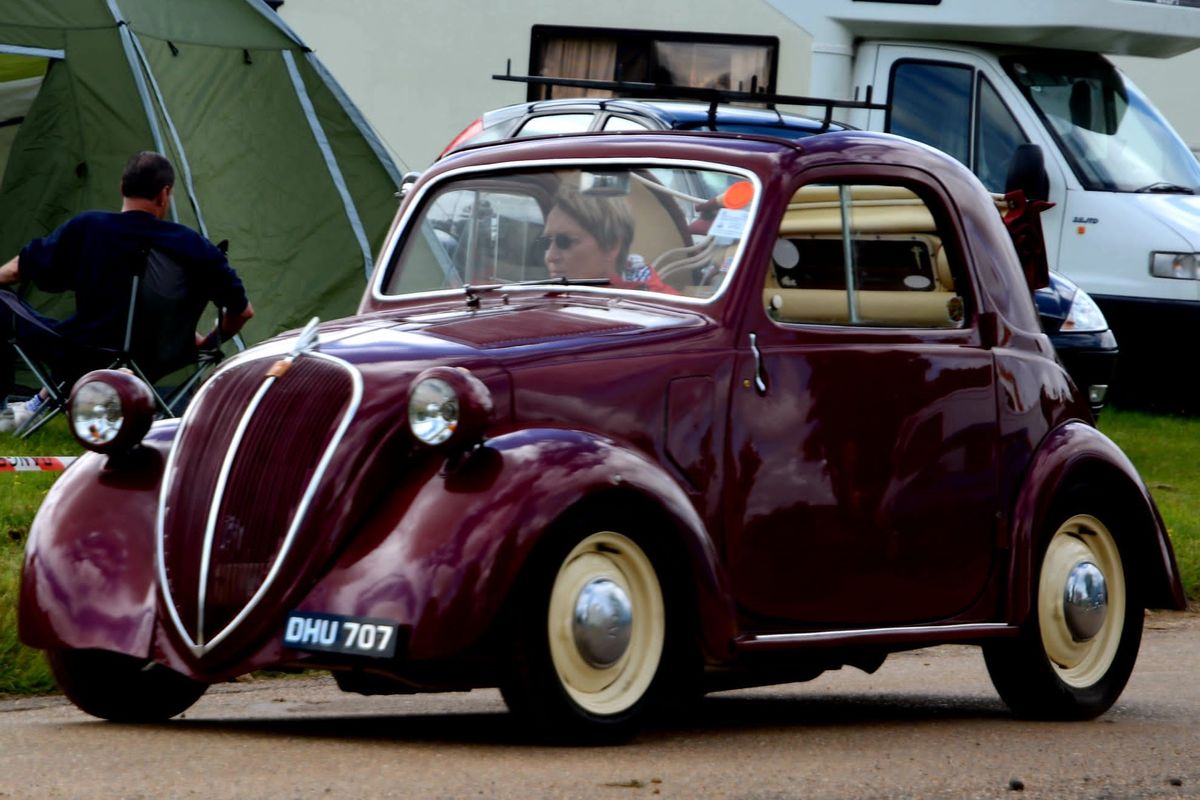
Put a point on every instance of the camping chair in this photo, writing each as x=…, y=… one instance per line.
x=159, y=341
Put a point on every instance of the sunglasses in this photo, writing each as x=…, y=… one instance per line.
x=560, y=240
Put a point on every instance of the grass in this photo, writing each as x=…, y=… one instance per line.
x=1164, y=448
x=22, y=670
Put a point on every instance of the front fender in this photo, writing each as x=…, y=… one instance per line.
x=89, y=578
x=443, y=558
x=1077, y=454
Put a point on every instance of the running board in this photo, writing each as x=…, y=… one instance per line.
x=930, y=634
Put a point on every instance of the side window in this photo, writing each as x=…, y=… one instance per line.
x=932, y=104
x=863, y=254
x=624, y=124
x=997, y=136
x=555, y=123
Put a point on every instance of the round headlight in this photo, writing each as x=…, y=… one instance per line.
x=448, y=407
x=433, y=411
x=110, y=411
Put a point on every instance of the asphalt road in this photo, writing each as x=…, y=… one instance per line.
x=926, y=725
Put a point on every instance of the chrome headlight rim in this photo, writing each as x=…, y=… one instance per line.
x=471, y=408
x=134, y=401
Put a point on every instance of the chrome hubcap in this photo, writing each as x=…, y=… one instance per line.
x=603, y=622
x=1085, y=601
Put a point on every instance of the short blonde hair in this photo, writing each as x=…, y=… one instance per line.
x=608, y=219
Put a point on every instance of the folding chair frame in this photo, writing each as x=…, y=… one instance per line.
x=56, y=402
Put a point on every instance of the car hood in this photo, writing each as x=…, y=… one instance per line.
x=449, y=335
x=287, y=444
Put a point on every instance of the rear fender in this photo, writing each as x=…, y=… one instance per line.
x=442, y=559
x=89, y=578
x=1077, y=455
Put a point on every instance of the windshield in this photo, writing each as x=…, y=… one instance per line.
x=1115, y=140
x=665, y=229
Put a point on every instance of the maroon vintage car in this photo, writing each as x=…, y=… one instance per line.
x=623, y=418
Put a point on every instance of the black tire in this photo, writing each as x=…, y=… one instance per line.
x=1053, y=670
x=555, y=681
x=120, y=688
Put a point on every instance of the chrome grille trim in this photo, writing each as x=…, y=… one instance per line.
x=210, y=527
x=199, y=648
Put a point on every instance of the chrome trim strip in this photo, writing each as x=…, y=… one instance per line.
x=199, y=649
x=412, y=205
x=798, y=638
x=167, y=480
x=210, y=525
x=310, y=492
x=331, y=164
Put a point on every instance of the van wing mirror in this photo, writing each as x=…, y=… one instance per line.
x=1027, y=173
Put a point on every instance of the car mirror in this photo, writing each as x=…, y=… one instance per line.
x=1027, y=173
x=604, y=184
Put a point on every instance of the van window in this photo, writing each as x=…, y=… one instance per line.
x=932, y=104
x=863, y=254
x=997, y=136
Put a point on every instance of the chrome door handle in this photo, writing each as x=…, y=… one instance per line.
x=760, y=374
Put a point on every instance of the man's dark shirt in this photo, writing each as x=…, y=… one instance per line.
x=94, y=254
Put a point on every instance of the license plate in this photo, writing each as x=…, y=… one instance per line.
x=332, y=633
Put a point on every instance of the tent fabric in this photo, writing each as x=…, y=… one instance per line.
x=296, y=181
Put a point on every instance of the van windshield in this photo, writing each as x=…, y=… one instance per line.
x=1114, y=138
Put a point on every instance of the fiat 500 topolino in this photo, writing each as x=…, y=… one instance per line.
x=803, y=418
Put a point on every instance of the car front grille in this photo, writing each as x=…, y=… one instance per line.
x=246, y=463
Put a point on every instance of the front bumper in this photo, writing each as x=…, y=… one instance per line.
x=1091, y=361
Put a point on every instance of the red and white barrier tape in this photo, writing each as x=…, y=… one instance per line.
x=35, y=463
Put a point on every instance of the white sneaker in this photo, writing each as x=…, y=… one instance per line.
x=7, y=422
x=20, y=414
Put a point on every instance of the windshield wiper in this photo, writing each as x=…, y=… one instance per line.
x=1165, y=187
x=475, y=292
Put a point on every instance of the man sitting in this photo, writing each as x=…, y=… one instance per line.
x=93, y=254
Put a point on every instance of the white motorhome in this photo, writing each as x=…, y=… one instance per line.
x=974, y=79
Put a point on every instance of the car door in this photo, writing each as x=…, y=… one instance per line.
x=862, y=450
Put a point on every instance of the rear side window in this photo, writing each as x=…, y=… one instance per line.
x=624, y=124
x=863, y=254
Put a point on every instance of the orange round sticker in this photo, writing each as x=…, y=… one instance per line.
x=739, y=195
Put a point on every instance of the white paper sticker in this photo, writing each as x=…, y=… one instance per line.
x=730, y=223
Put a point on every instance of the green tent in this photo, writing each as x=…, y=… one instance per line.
x=270, y=153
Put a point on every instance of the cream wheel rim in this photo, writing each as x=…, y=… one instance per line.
x=1082, y=544
x=614, y=561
